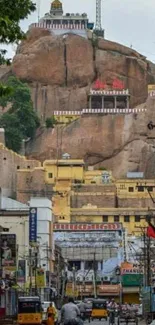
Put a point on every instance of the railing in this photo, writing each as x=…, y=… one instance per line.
x=101, y=111
x=58, y=26
x=123, y=92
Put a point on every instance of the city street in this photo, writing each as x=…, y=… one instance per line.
x=104, y=322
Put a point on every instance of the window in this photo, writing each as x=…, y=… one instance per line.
x=116, y=218
x=122, y=187
x=126, y=219
x=105, y=218
x=4, y=158
x=50, y=175
x=137, y=218
x=140, y=188
x=28, y=167
x=150, y=188
x=131, y=189
x=18, y=167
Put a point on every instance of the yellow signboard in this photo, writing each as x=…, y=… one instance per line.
x=151, y=90
x=70, y=292
x=40, y=278
x=151, y=87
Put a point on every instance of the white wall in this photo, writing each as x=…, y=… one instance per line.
x=20, y=227
x=44, y=237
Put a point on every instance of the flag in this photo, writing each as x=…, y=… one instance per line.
x=151, y=230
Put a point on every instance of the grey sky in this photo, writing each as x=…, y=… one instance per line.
x=125, y=21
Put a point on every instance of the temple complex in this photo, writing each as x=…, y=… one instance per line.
x=63, y=24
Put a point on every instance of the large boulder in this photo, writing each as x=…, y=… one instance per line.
x=61, y=70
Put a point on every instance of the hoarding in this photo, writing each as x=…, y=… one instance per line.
x=8, y=251
x=33, y=226
x=132, y=280
x=21, y=272
x=87, y=226
x=40, y=278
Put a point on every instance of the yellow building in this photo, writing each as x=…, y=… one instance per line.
x=81, y=194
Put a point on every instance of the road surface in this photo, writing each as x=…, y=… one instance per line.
x=104, y=322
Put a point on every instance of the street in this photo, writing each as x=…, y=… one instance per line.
x=104, y=322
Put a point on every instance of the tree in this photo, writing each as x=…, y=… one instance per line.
x=20, y=121
x=11, y=13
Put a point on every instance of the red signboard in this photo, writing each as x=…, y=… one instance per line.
x=117, y=84
x=87, y=226
x=99, y=85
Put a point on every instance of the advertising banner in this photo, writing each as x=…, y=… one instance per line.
x=40, y=278
x=8, y=251
x=21, y=272
x=33, y=226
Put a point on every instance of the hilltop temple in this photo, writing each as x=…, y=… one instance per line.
x=61, y=24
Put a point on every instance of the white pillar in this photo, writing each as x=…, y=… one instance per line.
x=82, y=265
x=102, y=101
x=99, y=266
x=90, y=102
x=115, y=102
x=127, y=102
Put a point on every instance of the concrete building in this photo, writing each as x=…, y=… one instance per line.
x=82, y=194
x=10, y=162
x=45, y=237
x=61, y=24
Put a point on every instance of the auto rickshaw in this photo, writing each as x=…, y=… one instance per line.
x=99, y=309
x=29, y=311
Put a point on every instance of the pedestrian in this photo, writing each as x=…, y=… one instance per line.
x=50, y=319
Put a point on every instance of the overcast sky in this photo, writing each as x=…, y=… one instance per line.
x=130, y=22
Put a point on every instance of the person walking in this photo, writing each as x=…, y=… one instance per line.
x=50, y=319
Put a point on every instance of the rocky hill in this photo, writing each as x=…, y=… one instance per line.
x=60, y=72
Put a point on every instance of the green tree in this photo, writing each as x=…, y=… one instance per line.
x=20, y=121
x=11, y=13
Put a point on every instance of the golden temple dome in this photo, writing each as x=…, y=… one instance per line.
x=56, y=4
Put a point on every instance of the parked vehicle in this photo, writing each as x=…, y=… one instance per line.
x=29, y=310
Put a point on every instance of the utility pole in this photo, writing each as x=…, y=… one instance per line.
x=74, y=280
x=30, y=256
x=94, y=268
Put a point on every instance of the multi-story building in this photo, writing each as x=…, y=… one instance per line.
x=89, y=205
x=81, y=194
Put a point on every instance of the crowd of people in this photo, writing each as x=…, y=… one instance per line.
x=71, y=313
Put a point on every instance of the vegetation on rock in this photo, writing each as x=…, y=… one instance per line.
x=11, y=13
x=20, y=120
x=50, y=122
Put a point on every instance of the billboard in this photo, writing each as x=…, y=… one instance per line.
x=33, y=226
x=40, y=278
x=8, y=251
x=131, y=280
x=21, y=272
x=87, y=226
